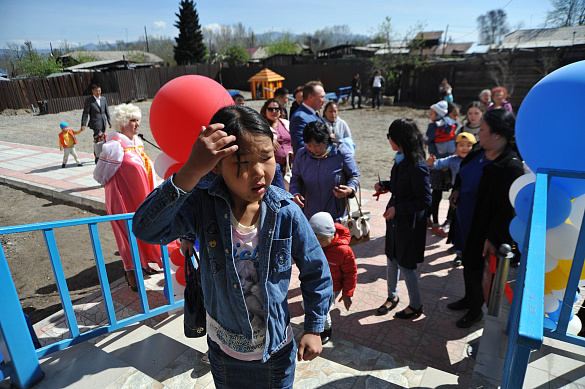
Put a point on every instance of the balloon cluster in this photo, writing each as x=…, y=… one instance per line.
x=552, y=139
x=179, y=110
x=563, y=221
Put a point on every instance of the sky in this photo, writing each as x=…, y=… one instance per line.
x=82, y=22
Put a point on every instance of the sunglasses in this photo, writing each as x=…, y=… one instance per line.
x=273, y=109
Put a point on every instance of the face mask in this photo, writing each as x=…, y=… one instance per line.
x=399, y=158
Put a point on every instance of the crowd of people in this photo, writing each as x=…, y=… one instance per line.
x=251, y=226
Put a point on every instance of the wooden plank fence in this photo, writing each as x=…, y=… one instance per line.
x=516, y=70
x=68, y=92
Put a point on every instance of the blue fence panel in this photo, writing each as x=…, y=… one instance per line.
x=20, y=357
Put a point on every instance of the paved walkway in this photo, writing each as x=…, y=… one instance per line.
x=366, y=350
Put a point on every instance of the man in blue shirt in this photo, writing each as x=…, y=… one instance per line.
x=313, y=100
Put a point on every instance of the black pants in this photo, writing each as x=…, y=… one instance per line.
x=436, y=197
x=472, y=276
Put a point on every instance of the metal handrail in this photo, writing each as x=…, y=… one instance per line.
x=525, y=325
x=21, y=359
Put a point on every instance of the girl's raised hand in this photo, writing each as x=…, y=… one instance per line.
x=207, y=151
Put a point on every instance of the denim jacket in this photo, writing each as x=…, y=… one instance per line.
x=284, y=235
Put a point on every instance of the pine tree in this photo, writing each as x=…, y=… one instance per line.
x=190, y=48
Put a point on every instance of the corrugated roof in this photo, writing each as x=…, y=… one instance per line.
x=429, y=35
x=93, y=64
x=115, y=55
x=266, y=75
x=545, y=37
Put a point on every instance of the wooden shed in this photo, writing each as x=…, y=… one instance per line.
x=264, y=83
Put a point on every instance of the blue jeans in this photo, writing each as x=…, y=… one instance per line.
x=393, y=274
x=277, y=372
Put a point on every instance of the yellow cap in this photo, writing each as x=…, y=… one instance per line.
x=466, y=137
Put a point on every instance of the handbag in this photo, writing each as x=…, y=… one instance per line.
x=357, y=222
x=194, y=318
x=441, y=179
x=287, y=173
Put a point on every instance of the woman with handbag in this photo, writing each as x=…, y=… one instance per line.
x=405, y=215
x=324, y=173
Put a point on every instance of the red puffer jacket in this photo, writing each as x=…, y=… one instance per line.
x=342, y=261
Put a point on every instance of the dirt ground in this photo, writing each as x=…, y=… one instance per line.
x=26, y=252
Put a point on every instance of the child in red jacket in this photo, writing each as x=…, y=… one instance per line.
x=334, y=239
x=67, y=142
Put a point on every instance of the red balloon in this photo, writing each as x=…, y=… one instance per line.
x=173, y=245
x=179, y=110
x=177, y=258
x=180, y=275
x=173, y=169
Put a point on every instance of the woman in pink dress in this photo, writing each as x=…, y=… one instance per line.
x=128, y=176
x=271, y=111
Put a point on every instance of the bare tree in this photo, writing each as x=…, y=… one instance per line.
x=492, y=26
x=566, y=13
x=500, y=71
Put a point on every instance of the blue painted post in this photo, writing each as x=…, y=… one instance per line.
x=102, y=273
x=15, y=340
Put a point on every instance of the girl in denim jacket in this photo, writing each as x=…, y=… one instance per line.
x=240, y=218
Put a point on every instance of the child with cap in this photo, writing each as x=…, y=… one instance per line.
x=334, y=238
x=441, y=131
x=441, y=143
x=464, y=144
x=67, y=142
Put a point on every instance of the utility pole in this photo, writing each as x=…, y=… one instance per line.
x=126, y=36
x=146, y=37
x=444, y=40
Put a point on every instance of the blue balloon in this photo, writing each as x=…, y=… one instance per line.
x=573, y=186
x=548, y=323
x=538, y=128
x=554, y=316
x=518, y=232
x=558, y=205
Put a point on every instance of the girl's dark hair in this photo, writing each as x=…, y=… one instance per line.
x=330, y=103
x=239, y=120
x=318, y=132
x=501, y=122
x=266, y=104
x=476, y=104
x=405, y=133
x=452, y=107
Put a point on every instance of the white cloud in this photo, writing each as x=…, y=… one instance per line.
x=213, y=27
x=160, y=25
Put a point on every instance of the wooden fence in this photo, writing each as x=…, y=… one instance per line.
x=68, y=92
x=516, y=70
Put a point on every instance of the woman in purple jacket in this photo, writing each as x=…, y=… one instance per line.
x=324, y=173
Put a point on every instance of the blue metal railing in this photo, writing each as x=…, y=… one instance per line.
x=21, y=360
x=526, y=321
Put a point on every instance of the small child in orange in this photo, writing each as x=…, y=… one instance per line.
x=67, y=142
x=334, y=238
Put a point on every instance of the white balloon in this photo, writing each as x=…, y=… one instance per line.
x=559, y=294
x=520, y=183
x=574, y=326
x=162, y=163
x=561, y=241
x=550, y=263
x=577, y=210
x=551, y=303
